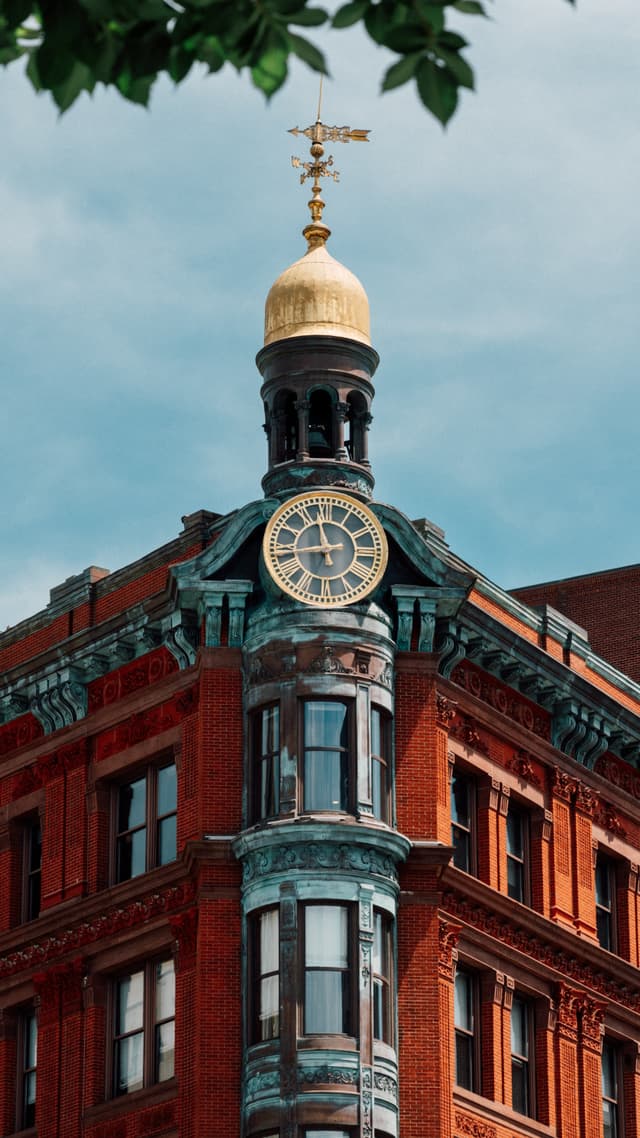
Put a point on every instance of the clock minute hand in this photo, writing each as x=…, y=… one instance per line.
x=326, y=548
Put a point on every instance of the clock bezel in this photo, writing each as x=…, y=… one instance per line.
x=311, y=497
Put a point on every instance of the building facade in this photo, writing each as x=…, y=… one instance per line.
x=309, y=830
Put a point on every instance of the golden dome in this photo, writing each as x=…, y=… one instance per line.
x=317, y=296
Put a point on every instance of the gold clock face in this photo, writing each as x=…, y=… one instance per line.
x=325, y=549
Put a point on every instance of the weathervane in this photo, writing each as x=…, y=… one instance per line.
x=320, y=167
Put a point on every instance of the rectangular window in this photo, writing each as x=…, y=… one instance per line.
x=146, y=822
x=327, y=1003
x=462, y=821
x=466, y=1044
x=32, y=854
x=380, y=747
x=382, y=978
x=326, y=755
x=606, y=902
x=27, y=1069
x=610, y=1089
x=522, y=1097
x=266, y=758
x=518, y=855
x=144, y=1027
x=265, y=969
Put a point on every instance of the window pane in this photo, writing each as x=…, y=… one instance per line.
x=515, y=844
x=463, y=1003
x=326, y=1002
x=132, y=801
x=129, y=1010
x=165, y=1051
x=129, y=1052
x=270, y=740
x=610, y=1127
x=29, y=1105
x=380, y=798
x=166, y=840
x=603, y=882
x=269, y=803
x=326, y=936
x=519, y=1086
x=325, y=724
x=269, y=942
x=132, y=855
x=460, y=810
x=167, y=790
x=464, y=1061
x=515, y=879
x=165, y=990
x=376, y=732
x=519, y=1032
x=269, y=1010
x=31, y=1042
x=325, y=780
x=326, y=1133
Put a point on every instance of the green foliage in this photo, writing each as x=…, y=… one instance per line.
x=70, y=45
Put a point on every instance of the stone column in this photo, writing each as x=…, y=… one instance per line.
x=567, y=1060
x=302, y=408
x=342, y=410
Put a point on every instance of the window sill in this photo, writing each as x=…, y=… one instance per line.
x=500, y=1115
x=327, y=1043
x=137, y=1100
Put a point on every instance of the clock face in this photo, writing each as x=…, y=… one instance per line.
x=325, y=549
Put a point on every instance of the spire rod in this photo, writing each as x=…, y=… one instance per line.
x=317, y=232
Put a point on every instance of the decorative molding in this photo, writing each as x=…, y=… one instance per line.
x=339, y=1076
x=184, y=930
x=263, y=1081
x=146, y=723
x=579, y=732
x=60, y=701
x=22, y=731
x=386, y=1085
x=563, y=786
x=592, y=1013
x=537, y=949
x=317, y=856
x=49, y=767
x=619, y=773
x=180, y=638
x=269, y=667
x=88, y=932
x=130, y=678
x=502, y=698
x=474, y=1127
x=446, y=710
x=465, y=728
x=451, y=642
x=521, y=763
x=328, y=662
x=585, y=799
x=448, y=935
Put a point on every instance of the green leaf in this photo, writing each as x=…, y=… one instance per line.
x=11, y=52
x=437, y=89
x=80, y=79
x=349, y=14
x=401, y=71
x=458, y=66
x=55, y=63
x=432, y=13
x=309, y=17
x=211, y=53
x=180, y=62
x=410, y=38
x=136, y=90
x=308, y=53
x=471, y=7
x=32, y=72
x=453, y=40
x=270, y=73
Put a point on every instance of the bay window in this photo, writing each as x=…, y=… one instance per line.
x=266, y=763
x=380, y=765
x=382, y=973
x=265, y=1001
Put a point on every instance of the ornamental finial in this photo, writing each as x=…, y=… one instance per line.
x=317, y=232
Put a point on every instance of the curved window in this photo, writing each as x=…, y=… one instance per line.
x=382, y=957
x=326, y=755
x=285, y=424
x=266, y=763
x=327, y=1007
x=265, y=1012
x=380, y=764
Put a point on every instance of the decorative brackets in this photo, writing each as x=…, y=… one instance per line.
x=427, y=603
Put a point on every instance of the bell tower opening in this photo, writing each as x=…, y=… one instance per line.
x=321, y=432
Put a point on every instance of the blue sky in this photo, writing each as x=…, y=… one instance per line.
x=501, y=258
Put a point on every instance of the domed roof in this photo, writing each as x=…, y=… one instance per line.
x=317, y=296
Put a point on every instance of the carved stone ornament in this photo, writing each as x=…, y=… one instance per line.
x=465, y=1124
x=451, y=642
x=328, y=663
x=448, y=935
x=317, y=856
x=386, y=1085
x=521, y=764
x=445, y=710
x=563, y=785
x=619, y=773
x=19, y=733
x=135, y=676
x=502, y=698
x=262, y=1083
x=330, y=1075
x=465, y=728
x=546, y=953
x=62, y=703
x=136, y=914
x=592, y=1014
x=184, y=930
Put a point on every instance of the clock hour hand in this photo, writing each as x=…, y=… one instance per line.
x=326, y=549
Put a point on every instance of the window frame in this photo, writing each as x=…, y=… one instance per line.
x=256, y=976
x=471, y=1036
x=523, y=859
x=611, y=1048
x=383, y=981
x=152, y=818
x=381, y=761
x=349, y=1008
x=25, y=1071
x=606, y=914
x=349, y=752
x=524, y=1061
x=149, y=1029
x=30, y=826
x=470, y=829
x=258, y=759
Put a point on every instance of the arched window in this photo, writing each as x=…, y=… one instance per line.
x=286, y=426
x=321, y=434
x=356, y=418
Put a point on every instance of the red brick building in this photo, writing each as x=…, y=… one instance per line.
x=309, y=830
